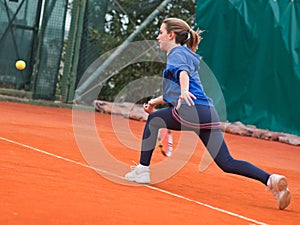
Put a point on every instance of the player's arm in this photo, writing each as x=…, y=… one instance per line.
x=156, y=101
x=185, y=95
x=149, y=107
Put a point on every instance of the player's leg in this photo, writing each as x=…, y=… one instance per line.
x=215, y=144
x=161, y=118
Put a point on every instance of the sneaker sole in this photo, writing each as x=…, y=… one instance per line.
x=285, y=197
x=282, y=184
x=140, y=180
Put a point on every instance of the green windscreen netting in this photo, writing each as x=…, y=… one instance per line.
x=92, y=36
x=18, y=23
x=253, y=48
x=50, y=48
x=32, y=30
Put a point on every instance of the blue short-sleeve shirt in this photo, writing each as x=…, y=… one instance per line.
x=180, y=59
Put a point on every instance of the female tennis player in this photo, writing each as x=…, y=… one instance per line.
x=190, y=109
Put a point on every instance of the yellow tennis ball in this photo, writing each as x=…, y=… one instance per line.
x=20, y=65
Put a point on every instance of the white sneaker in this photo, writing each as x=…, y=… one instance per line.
x=277, y=184
x=139, y=174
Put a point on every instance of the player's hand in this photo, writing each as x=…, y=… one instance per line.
x=149, y=108
x=187, y=97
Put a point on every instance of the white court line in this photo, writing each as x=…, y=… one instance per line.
x=148, y=186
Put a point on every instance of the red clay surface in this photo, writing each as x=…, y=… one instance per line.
x=44, y=179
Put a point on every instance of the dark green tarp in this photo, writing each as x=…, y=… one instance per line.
x=253, y=49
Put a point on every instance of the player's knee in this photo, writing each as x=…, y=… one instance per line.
x=227, y=169
x=157, y=122
x=227, y=166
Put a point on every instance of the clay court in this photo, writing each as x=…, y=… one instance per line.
x=45, y=179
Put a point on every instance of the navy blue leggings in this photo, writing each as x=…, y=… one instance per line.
x=212, y=138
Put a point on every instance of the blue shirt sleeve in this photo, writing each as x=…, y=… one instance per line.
x=178, y=62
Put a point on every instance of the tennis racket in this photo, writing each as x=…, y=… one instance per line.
x=165, y=142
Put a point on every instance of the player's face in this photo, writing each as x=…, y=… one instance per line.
x=165, y=39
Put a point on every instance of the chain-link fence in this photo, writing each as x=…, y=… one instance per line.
x=50, y=48
x=18, y=32
x=33, y=31
x=107, y=24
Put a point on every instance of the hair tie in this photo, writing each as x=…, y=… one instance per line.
x=189, y=36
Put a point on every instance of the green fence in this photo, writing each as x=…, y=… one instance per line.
x=253, y=48
x=49, y=49
x=32, y=30
x=18, y=31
